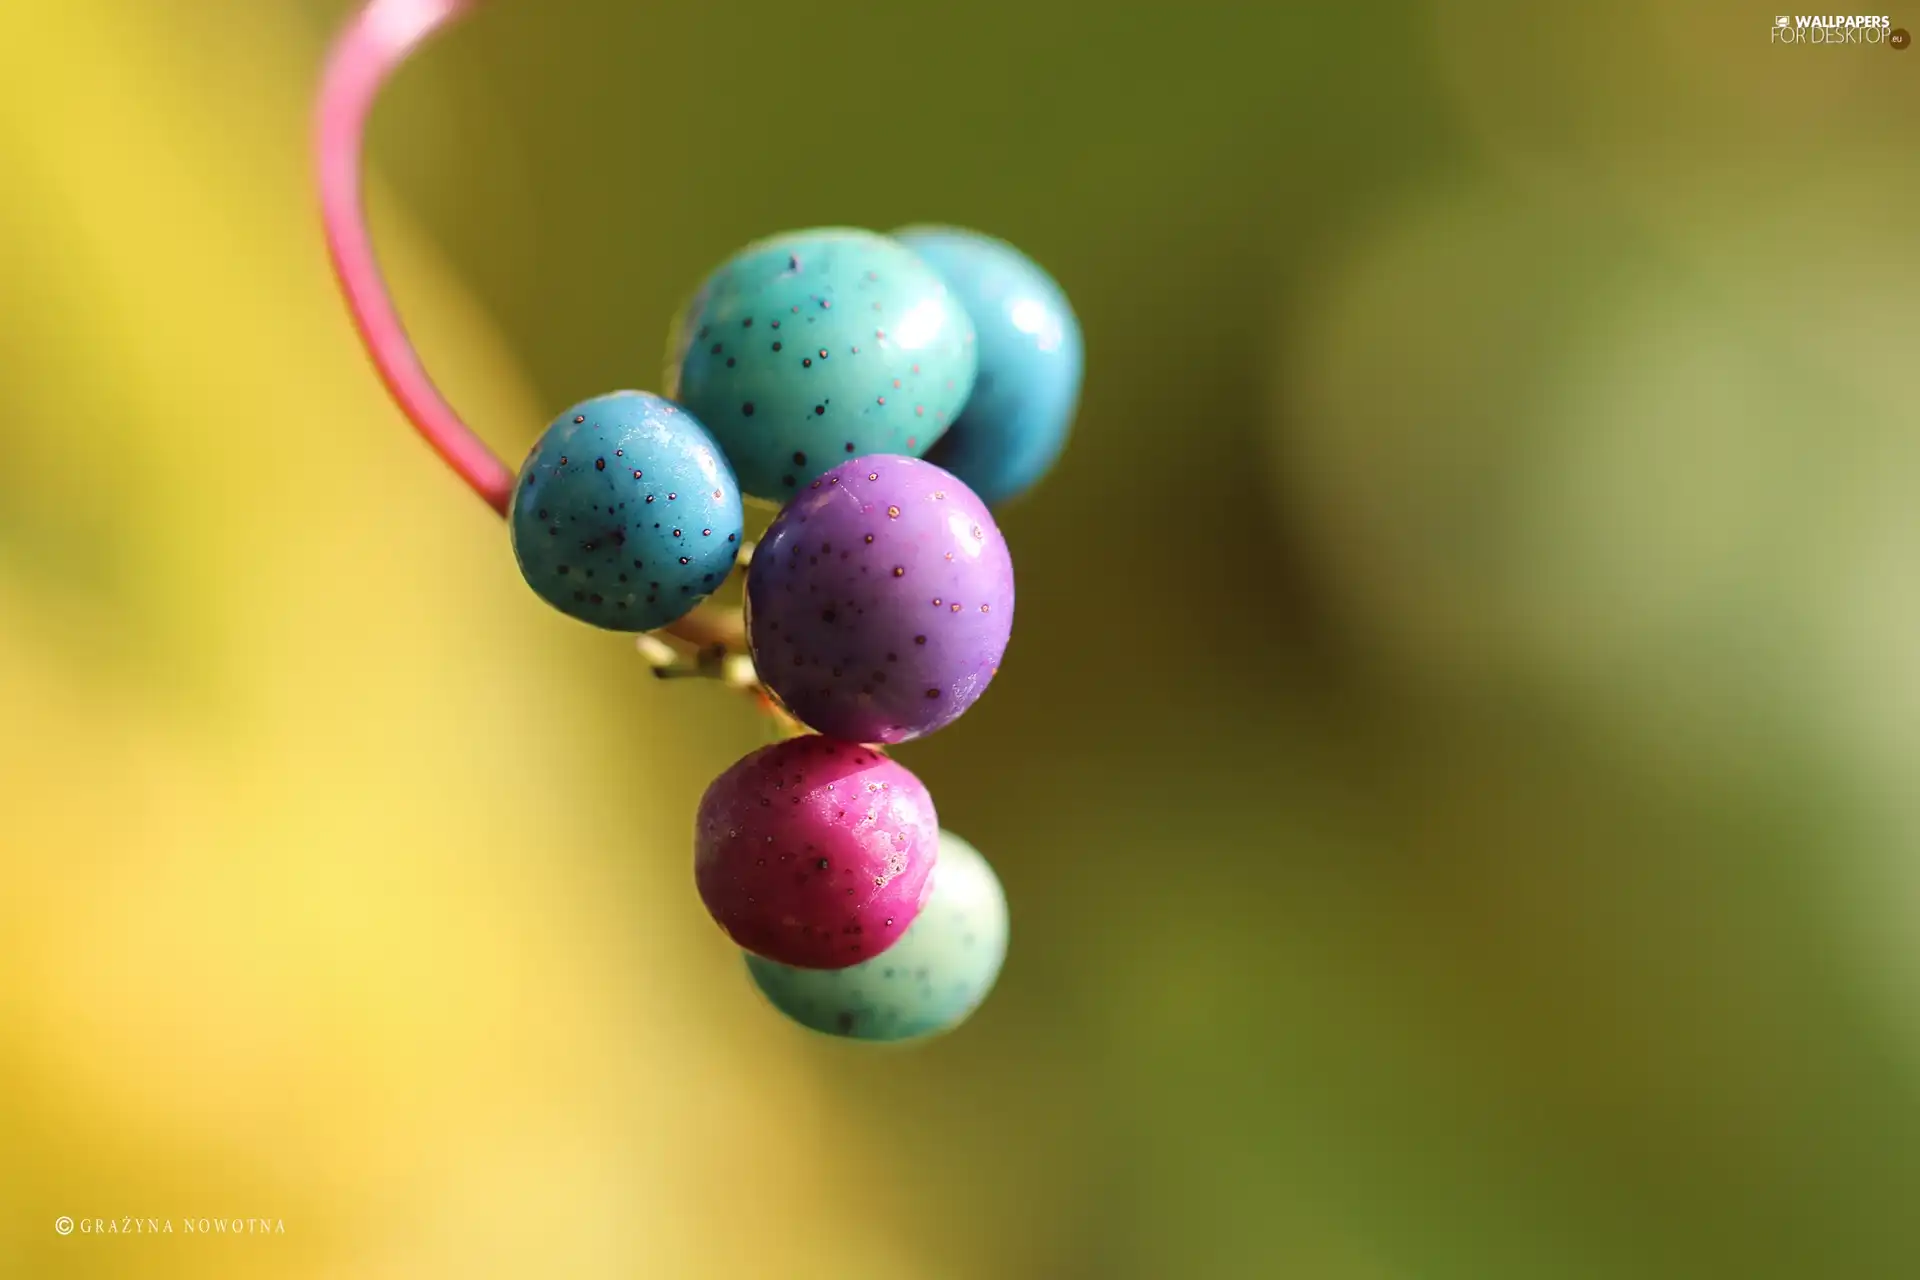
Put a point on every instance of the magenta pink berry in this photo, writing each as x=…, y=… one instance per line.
x=814, y=852
x=880, y=601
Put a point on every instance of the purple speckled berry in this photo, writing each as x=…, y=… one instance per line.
x=880, y=601
x=815, y=853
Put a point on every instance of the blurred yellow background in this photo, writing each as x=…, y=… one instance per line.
x=1455, y=774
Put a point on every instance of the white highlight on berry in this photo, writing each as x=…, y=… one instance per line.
x=920, y=326
x=962, y=527
x=709, y=467
x=1035, y=318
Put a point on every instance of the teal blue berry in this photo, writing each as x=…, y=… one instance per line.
x=817, y=346
x=626, y=514
x=928, y=982
x=1021, y=411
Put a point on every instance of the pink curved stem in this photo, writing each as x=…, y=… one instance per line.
x=367, y=53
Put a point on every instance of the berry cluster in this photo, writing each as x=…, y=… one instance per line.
x=880, y=393
x=810, y=373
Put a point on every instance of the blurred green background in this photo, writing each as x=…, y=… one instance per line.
x=1454, y=775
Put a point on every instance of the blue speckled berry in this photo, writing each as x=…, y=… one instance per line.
x=1017, y=419
x=817, y=346
x=626, y=514
x=928, y=982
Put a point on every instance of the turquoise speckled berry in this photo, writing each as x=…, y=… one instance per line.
x=928, y=982
x=626, y=514
x=1016, y=422
x=817, y=346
